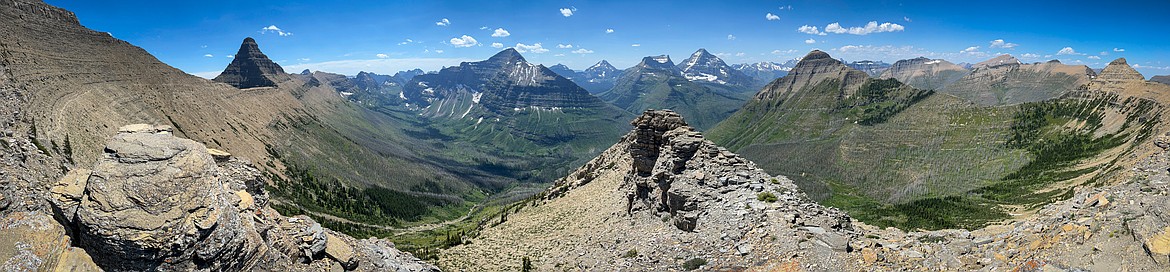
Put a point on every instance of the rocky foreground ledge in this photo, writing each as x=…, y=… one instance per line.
x=156, y=202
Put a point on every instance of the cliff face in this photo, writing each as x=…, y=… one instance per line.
x=251, y=68
x=1004, y=80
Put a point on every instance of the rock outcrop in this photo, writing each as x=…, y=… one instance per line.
x=1119, y=70
x=158, y=202
x=660, y=197
x=1004, y=80
x=251, y=68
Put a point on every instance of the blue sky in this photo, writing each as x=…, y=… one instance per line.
x=388, y=36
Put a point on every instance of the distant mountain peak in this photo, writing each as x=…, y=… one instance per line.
x=817, y=54
x=1000, y=60
x=507, y=56
x=602, y=65
x=1119, y=70
x=251, y=68
x=703, y=66
x=657, y=62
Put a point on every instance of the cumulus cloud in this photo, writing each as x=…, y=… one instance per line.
x=608, y=30
x=465, y=41
x=274, y=29
x=1094, y=57
x=779, y=52
x=1030, y=55
x=582, y=51
x=1115, y=49
x=534, y=48
x=208, y=56
x=443, y=22
x=970, y=50
x=871, y=27
x=807, y=29
x=1067, y=51
x=563, y=46
x=382, y=56
x=500, y=33
x=568, y=11
x=483, y=28
x=636, y=45
x=810, y=41
x=999, y=43
x=730, y=37
x=497, y=45
x=771, y=17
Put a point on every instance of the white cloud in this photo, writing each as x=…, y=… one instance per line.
x=559, y=55
x=1094, y=57
x=230, y=56
x=465, y=41
x=439, y=51
x=1029, y=55
x=778, y=52
x=443, y=22
x=970, y=50
x=608, y=30
x=483, y=28
x=304, y=59
x=497, y=45
x=582, y=51
x=208, y=56
x=740, y=54
x=907, y=19
x=500, y=33
x=999, y=43
x=534, y=48
x=722, y=54
x=1139, y=66
x=382, y=56
x=1115, y=49
x=810, y=41
x=871, y=27
x=274, y=29
x=563, y=46
x=789, y=7
x=568, y=11
x=730, y=37
x=771, y=17
x=807, y=29
x=1067, y=51
x=407, y=41
x=636, y=45
x=1103, y=53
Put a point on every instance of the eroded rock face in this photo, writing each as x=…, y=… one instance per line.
x=158, y=202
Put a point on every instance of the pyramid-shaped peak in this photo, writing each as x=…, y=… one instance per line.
x=507, y=55
x=817, y=54
x=702, y=52
x=1119, y=70
x=251, y=68
x=1119, y=61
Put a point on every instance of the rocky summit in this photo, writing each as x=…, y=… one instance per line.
x=665, y=199
x=703, y=66
x=251, y=68
x=158, y=202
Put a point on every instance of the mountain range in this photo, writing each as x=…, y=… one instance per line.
x=117, y=161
